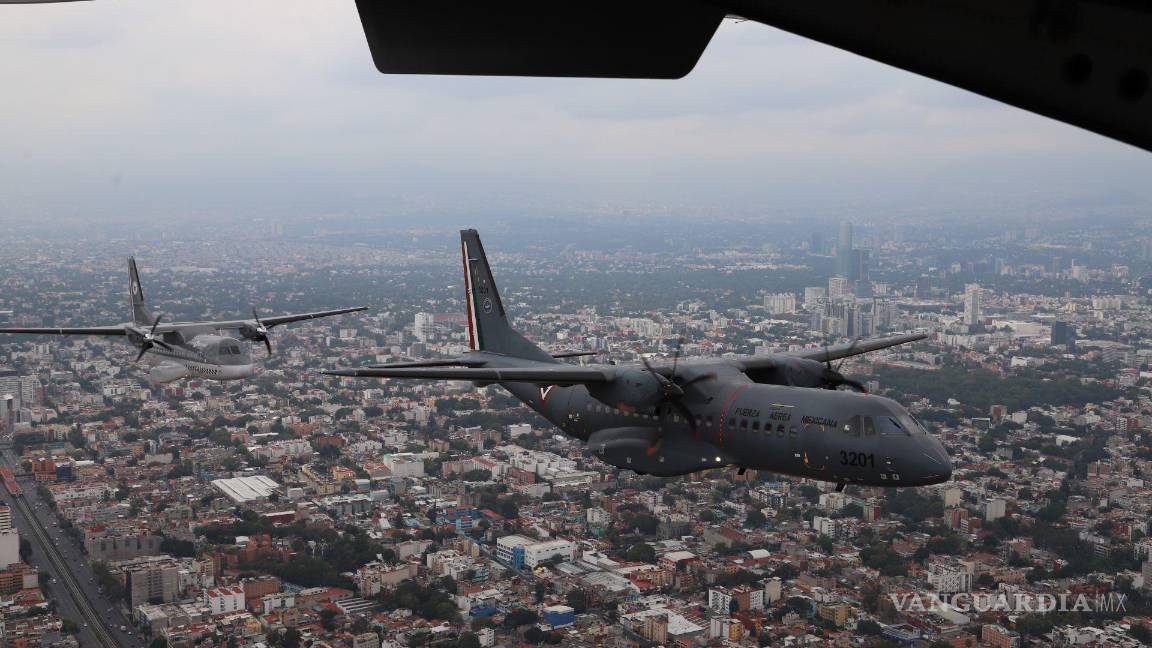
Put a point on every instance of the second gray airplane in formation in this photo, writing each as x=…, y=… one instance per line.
x=182, y=349
x=786, y=413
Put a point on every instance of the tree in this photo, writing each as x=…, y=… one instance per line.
x=290, y=638
x=1141, y=633
x=755, y=520
x=869, y=628
x=480, y=623
x=641, y=552
x=518, y=618
x=158, y=642
x=785, y=572
x=178, y=548
x=534, y=635
x=468, y=640
x=577, y=599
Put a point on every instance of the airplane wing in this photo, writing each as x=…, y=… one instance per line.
x=277, y=320
x=1084, y=62
x=856, y=348
x=93, y=330
x=268, y=322
x=547, y=375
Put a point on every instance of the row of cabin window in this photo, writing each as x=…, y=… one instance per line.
x=854, y=427
x=604, y=409
x=743, y=424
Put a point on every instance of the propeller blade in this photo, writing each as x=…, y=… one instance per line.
x=154, y=325
x=648, y=366
x=676, y=356
x=268, y=345
x=850, y=350
x=143, y=349
x=256, y=317
x=855, y=384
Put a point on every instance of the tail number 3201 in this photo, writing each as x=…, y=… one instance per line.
x=857, y=459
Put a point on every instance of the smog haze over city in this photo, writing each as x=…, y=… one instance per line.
x=785, y=196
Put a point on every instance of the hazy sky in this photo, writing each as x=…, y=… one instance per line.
x=151, y=106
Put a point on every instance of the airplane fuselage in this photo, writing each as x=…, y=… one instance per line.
x=838, y=436
x=214, y=357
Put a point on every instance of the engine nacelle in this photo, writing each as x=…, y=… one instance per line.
x=792, y=372
x=166, y=373
x=632, y=389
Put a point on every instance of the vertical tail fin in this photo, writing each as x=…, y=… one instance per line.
x=488, y=326
x=140, y=312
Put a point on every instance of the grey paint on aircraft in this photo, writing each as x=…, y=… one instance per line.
x=781, y=413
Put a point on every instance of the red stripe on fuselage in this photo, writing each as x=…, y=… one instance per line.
x=724, y=413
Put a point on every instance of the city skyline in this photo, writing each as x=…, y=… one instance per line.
x=121, y=111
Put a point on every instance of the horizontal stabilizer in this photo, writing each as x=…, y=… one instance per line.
x=546, y=375
x=428, y=363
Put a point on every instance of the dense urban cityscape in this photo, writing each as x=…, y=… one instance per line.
x=296, y=509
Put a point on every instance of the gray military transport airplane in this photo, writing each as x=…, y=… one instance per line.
x=182, y=349
x=783, y=413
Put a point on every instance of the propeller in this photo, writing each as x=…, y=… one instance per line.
x=148, y=340
x=833, y=378
x=261, y=332
x=671, y=392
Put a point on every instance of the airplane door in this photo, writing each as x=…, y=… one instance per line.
x=570, y=411
x=813, y=443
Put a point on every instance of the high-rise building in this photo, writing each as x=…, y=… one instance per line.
x=923, y=287
x=9, y=547
x=816, y=243
x=994, y=509
x=23, y=388
x=1063, y=334
x=780, y=303
x=424, y=327
x=844, y=261
x=838, y=288
x=814, y=296
x=972, y=312
x=8, y=408
x=5, y=518
x=155, y=579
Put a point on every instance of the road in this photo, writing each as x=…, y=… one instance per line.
x=63, y=558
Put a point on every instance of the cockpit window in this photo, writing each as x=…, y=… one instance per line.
x=911, y=424
x=899, y=424
x=852, y=426
x=869, y=426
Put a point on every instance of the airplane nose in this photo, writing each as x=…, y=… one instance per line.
x=936, y=465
